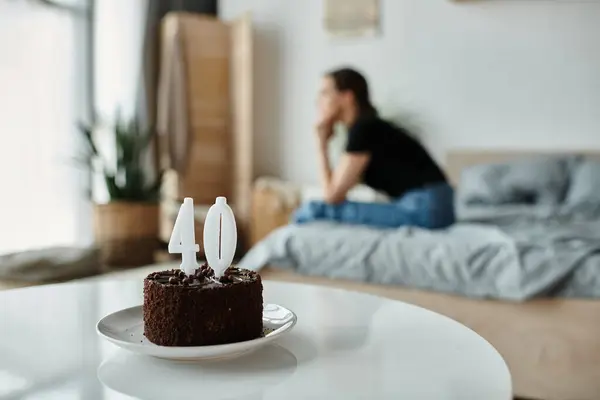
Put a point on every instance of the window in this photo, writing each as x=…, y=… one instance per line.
x=40, y=188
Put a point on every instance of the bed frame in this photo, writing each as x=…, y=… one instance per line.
x=457, y=160
x=552, y=346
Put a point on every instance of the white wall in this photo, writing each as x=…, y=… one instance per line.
x=485, y=73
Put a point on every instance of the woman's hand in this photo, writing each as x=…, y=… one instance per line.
x=324, y=127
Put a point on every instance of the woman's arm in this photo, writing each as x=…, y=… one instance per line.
x=347, y=173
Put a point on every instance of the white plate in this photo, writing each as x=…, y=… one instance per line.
x=125, y=328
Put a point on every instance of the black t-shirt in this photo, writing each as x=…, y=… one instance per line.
x=398, y=162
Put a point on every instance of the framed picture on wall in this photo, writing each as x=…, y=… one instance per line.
x=351, y=18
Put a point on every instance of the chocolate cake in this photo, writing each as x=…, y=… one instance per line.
x=200, y=310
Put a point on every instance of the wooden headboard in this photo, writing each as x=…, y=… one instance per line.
x=457, y=160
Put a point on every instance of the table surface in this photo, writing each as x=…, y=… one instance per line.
x=346, y=345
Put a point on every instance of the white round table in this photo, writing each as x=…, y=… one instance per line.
x=346, y=345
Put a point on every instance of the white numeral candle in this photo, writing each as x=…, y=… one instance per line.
x=220, y=236
x=183, y=237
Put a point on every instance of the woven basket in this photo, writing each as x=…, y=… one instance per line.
x=272, y=207
x=126, y=233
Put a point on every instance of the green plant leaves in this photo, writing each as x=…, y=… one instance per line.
x=87, y=132
x=153, y=190
x=128, y=178
x=113, y=188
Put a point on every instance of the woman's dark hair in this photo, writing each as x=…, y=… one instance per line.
x=348, y=79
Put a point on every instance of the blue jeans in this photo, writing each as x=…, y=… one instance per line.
x=431, y=207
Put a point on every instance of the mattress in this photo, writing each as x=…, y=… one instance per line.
x=516, y=262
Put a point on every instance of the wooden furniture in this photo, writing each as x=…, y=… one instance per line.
x=552, y=346
x=217, y=58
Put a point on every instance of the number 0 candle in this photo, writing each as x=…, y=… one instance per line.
x=220, y=236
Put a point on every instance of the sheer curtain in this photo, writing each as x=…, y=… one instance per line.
x=119, y=31
x=41, y=192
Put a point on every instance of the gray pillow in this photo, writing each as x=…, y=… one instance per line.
x=478, y=185
x=538, y=180
x=585, y=184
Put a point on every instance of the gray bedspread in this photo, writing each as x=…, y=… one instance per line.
x=510, y=255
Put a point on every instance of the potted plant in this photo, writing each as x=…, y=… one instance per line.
x=126, y=225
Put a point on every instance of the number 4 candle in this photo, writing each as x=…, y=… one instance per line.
x=183, y=237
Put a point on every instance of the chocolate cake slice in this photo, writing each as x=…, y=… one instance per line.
x=201, y=310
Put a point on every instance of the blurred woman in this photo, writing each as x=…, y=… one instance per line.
x=378, y=154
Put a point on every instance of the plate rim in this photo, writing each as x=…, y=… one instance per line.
x=230, y=347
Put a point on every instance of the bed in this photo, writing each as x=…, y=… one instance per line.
x=551, y=344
